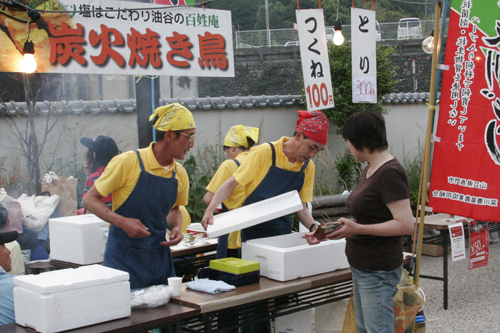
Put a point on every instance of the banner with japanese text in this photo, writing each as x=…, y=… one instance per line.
x=465, y=176
x=364, y=56
x=120, y=37
x=314, y=59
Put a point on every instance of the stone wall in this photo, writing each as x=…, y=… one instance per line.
x=278, y=71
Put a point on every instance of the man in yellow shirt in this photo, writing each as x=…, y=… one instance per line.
x=237, y=143
x=148, y=186
x=275, y=168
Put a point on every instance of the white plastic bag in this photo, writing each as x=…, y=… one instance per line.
x=14, y=211
x=150, y=297
x=37, y=210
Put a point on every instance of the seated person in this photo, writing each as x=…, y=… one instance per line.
x=6, y=280
x=13, y=247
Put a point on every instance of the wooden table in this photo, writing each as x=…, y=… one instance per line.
x=195, y=311
x=262, y=301
x=167, y=317
x=440, y=222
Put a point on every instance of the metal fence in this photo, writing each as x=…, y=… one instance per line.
x=290, y=37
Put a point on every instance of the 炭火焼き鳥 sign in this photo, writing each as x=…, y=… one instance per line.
x=119, y=37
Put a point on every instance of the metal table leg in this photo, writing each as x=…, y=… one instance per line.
x=444, y=234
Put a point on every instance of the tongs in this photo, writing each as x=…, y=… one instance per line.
x=326, y=228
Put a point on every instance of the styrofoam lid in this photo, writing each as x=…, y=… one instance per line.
x=196, y=227
x=255, y=213
x=78, y=221
x=70, y=279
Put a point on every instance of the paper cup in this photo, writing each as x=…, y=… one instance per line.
x=176, y=283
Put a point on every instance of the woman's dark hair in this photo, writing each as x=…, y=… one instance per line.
x=96, y=161
x=366, y=129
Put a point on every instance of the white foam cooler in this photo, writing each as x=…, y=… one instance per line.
x=288, y=257
x=79, y=239
x=69, y=298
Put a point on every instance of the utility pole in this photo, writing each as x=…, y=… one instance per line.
x=268, y=32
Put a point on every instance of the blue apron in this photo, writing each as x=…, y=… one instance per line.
x=145, y=259
x=222, y=241
x=277, y=181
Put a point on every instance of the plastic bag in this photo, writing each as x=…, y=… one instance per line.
x=406, y=303
x=65, y=187
x=350, y=320
x=37, y=210
x=150, y=297
x=14, y=212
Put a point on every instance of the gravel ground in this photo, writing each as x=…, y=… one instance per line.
x=473, y=303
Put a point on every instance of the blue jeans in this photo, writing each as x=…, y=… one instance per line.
x=373, y=294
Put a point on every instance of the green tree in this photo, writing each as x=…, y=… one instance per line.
x=340, y=68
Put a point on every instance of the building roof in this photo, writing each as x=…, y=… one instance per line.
x=192, y=103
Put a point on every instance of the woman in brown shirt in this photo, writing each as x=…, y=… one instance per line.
x=382, y=215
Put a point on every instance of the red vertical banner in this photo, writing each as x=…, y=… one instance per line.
x=479, y=244
x=465, y=176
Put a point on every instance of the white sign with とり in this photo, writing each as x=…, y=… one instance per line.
x=315, y=62
x=364, y=56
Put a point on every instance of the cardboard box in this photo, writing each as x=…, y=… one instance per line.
x=71, y=298
x=289, y=257
x=79, y=239
x=420, y=328
x=432, y=250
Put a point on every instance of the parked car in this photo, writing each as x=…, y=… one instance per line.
x=409, y=28
x=377, y=29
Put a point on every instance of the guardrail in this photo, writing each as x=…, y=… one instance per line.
x=290, y=37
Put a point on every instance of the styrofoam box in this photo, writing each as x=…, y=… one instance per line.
x=255, y=213
x=79, y=239
x=69, y=298
x=289, y=257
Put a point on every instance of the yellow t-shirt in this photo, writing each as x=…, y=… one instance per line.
x=186, y=219
x=237, y=197
x=122, y=173
x=259, y=161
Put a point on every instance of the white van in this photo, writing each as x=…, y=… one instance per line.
x=409, y=28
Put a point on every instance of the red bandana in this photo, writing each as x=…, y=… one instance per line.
x=314, y=125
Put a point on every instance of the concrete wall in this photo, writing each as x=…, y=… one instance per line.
x=406, y=125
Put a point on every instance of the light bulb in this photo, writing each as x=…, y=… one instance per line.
x=28, y=64
x=338, y=38
x=428, y=45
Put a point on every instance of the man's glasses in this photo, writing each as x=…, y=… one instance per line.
x=190, y=137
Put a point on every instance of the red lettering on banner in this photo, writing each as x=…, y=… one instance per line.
x=64, y=45
x=212, y=51
x=106, y=41
x=143, y=48
x=180, y=45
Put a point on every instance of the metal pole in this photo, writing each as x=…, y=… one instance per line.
x=268, y=32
